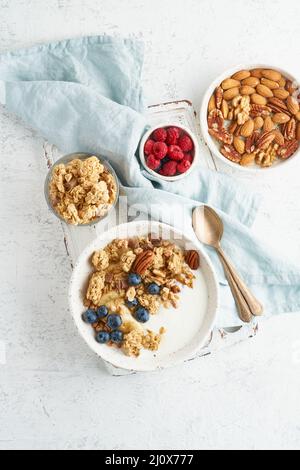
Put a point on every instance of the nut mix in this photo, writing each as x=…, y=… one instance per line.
x=81, y=191
x=169, y=151
x=255, y=115
x=131, y=280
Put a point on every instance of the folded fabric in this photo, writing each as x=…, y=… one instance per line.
x=85, y=95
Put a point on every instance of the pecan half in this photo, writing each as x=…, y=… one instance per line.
x=222, y=135
x=265, y=139
x=142, y=262
x=250, y=143
x=215, y=119
x=192, y=258
x=288, y=149
x=229, y=152
x=289, y=129
x=259, y=110
x=277, y=102
x=219, y=96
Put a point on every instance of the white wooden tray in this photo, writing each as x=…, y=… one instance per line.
x=77, y=238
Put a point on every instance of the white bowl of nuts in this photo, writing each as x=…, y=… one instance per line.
x=250, y=117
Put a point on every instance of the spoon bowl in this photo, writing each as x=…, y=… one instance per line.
x=208, y=226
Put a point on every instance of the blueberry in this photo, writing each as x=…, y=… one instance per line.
x=114, y=321
x=153, y=289
x=132, y=303
x=90, y=316
x=102, y=337
x=116, y=336
x=134, y=279
x=102, y=311
x=142, y=315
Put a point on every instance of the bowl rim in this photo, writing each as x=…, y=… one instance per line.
x=160, y=225
x=82, y=156
x=169, y=124
x=212, y=145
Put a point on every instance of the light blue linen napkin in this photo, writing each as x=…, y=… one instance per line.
x=85, y=95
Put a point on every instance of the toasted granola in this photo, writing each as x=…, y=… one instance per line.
x=82, y=191
x=109, y=286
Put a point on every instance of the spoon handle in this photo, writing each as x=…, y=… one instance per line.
x=241, y=304
x=254, y=305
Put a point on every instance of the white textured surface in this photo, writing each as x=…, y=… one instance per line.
x=52, y=387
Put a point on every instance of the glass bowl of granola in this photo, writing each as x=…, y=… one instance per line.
x=81, y=188
x=250, y=118
x=144, y=296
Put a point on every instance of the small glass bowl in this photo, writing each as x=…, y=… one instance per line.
x=81, y=156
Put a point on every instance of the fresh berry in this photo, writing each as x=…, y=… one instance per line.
x=169, y=169
x=134, y=279
x=175, y=153
x=90, y=316
x=185, y=143
x=142, y=315
x=102, y=337
x=148, y=146
x=159, y=150
x=102, y=311
x=183, y=166
x=160, y=134
x=188, y=157
x=153, y=289
x=132, y=303
x=152, y=162
x=114, y=321
x=173, y=134
x=116, y=336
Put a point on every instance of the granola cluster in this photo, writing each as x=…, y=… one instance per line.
x=82, y=191
x=109, y=286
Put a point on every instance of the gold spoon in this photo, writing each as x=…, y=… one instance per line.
x=209, y=229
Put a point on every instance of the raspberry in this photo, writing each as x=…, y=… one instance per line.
x=159, y=150
x=169, y=169
x=152, y=162
x=175, y=153
x=188, y=157
x=183, y=166
x=160, y=134
x=148, y=146
x=185, y=143
x=173, y=135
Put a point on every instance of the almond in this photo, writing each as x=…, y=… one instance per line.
x=247, y=90
x=241, y=75
x=247, y=159
x=269, y=83
x=247, y=128
x=280, y=118
x=250, y=81
x=257, y=73
x=271, y=75
x=281, y=93
x=239, y=145
x=290, y=87
x=230, y=83
x=211, y=103
x=268, y=124
x=282, y=82
x=258, y=99
x=264, y=91
x=298, y=131
x=298, y=116
x=230, y=93
x=258, y=122
x=279, y=139
x=292, y=104
x=224, y=109
x=192, y=258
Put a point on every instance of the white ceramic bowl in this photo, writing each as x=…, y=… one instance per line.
x=169, y=124
x=213, y=144
x=188, y=327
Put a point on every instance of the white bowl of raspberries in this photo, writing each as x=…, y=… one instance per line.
x=169, y=151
